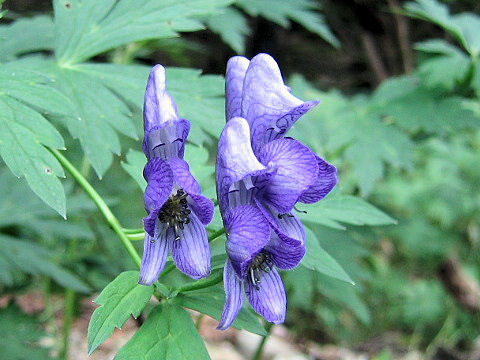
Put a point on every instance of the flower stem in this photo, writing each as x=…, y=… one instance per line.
x=97, y=199
x=258, y=353
x=202, y=283
x=136, y=236
x=67, y=322
x=132, y=231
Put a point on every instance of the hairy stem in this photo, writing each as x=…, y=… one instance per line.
x=97, y=199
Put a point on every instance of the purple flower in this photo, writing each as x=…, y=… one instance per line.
x=260, y=176
x=177, y=212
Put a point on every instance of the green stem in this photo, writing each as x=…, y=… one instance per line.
x=136, y=236
x=97, y=199
x=258, y=353
x=67, y=322
x=132, y=231
x=202, y=283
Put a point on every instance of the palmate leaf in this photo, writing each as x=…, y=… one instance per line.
x=25, y=131
x=210, y=301
x=120, y=299
x=97, y=114
x=464, y=27
x=167, y=334
x=282, y=12
x=231, y=26
x=85, y=28
x=26, y=35
x=30, y=258
x=199, y=99
x=20, y=336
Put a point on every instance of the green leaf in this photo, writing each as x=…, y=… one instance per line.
x=89, y=27
x=445, y=70
x=318, y=259
x=464, y=27
x=303, y=12
x=120, y=299
x=33, y=259
x=366, y=141
x=26, y=131
x=210, y=301
x=167, y=334
x=20, y=336
x=346, y=209
x=134, y=167
x=232, y=27
x=96, y=115
x=199, y=99
x=26, y=35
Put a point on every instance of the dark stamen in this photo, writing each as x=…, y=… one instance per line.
x=261, y=262
x=300, y=211
x=174, y=212
x=281, y=216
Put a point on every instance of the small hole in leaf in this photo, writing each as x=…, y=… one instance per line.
x=68, y=5
x=47, y=170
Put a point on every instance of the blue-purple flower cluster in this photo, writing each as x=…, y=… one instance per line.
x=260, y=177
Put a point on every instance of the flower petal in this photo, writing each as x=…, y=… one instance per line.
x=247, y=233
x=159, y=177
x=183, y=176
x=191, y=253
x=267, y=103
x=200, y=205
x=167, y=140
x=287, y=226
x=326, y=181
x=235, y=159
x=155, y=251
x=295, y=168
x=284, y=255
x=233, y=297
x=236, y=69
x=164, y=132
x=269, y=300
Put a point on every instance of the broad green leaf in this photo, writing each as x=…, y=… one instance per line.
x=167, y=334
x=434, y=71
x=231, y=26
x=120, y=299
x=20, y=336
x=27, y=257
x=316, y=258
x=210, y=301
x=90, y=27
x=464, y=27
x=199, y=98
x=134, y=167
x=303, y=12
x=26, y=131
x=26, y=35
x=96, y=116
x=436, y=46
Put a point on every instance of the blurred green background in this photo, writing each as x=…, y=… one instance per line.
x=399, y=85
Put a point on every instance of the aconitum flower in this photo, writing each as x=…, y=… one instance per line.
x=260, y=176
x=177, y=212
